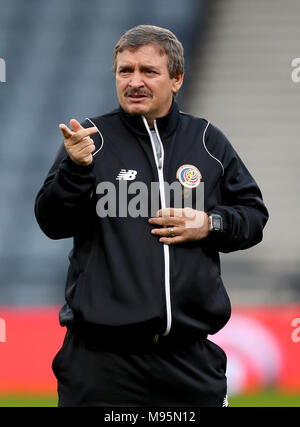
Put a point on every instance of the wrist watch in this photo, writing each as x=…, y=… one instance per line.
x=215, y=223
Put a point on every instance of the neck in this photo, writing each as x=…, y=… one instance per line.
x=163, y=113
x=150, y=123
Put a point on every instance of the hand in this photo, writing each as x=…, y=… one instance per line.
x=186, y=224
x=78, y=143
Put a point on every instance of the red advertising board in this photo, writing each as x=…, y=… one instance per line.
x=31, y=339
x=262, y=346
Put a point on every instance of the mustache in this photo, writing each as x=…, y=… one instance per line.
x=138, y=92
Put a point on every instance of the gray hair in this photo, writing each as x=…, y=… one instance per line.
x=149, y=34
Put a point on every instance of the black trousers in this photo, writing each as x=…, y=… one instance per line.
x=91, y=373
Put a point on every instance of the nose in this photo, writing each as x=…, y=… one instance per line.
x=136, y=80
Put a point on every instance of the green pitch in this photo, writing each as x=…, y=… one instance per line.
x=20, y=400
x=265, y=399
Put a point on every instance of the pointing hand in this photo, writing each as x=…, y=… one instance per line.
x=78, y=143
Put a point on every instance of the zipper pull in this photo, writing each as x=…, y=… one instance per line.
x=160, y=163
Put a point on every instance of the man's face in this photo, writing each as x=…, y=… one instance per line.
x=143, y=82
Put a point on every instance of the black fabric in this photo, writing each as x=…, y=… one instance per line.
x=186, y=374
x=116, y=303
x=116, y=273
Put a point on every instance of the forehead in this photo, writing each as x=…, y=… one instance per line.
x=144, y=55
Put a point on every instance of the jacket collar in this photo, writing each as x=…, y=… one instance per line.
x=167, y=125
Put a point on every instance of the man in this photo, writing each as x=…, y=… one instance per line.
x=143, y=292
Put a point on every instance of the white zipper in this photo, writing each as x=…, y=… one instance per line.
x=160, y=165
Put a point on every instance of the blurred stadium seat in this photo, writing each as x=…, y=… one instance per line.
x=242, y=83
x=59, y=66
x=58, y=57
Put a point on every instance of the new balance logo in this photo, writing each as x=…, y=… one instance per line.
x=125, y=175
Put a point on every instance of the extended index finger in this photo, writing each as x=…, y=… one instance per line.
x=170, y=212
x=167, y=221
x=177, y=212
x=78, y=136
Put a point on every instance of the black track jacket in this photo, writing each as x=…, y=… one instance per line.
x=121, y=278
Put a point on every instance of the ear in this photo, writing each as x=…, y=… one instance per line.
x=177, y=83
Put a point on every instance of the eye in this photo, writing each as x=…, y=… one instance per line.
x=124, y=71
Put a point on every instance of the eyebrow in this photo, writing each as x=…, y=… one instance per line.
x=142, y=68
x=149, y=67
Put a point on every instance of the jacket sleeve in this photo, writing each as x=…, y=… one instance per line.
x=65, y=204
x=242, y=208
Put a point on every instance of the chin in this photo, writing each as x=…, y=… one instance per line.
x=136, y=109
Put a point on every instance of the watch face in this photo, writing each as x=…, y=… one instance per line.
x=216, y=223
